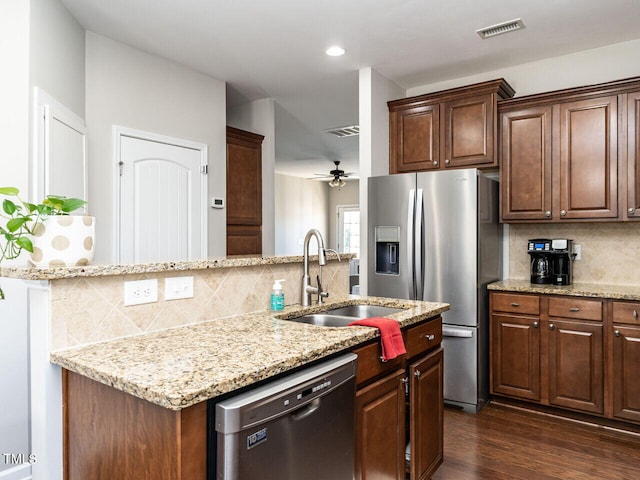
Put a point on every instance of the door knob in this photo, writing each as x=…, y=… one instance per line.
x=552, y=326
x=536, y=324
x=547, y=213
x=616, y=333
x=563, y=213
x=631, y=211
x=435, y=163
x=447, y=161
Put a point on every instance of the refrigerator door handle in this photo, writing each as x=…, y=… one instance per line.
x=410, y=233
x=450, y=332
x=418, y=246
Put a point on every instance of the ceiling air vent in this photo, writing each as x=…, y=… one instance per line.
x=500, y=28
x=344, y=131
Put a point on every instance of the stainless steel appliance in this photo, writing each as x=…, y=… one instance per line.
x=436, y=236
x=300, y=426
x=551, y=261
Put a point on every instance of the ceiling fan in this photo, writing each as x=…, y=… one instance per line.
x=336, y=175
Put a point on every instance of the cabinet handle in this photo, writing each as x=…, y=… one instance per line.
x=447, y=161
x=515, y=304
x=430, y=337
x=574, y=309
x=631, y=211
x=563, y=213
x=435, y=163
x=616, y=333
x=547, y=213
x=417, y=373
x=552, y=326
x=635, y=314
x=536, y=324
x=383, y=360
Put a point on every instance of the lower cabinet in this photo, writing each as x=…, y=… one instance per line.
x=626, y=360
x=399, y=408
x=581, y=354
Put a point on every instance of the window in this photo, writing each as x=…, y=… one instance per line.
x=349, y=229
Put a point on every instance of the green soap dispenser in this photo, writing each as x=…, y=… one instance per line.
x=277, y=296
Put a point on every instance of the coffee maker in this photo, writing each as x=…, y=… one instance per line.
x=551, y=261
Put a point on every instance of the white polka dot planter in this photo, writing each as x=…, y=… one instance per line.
x=63, y=241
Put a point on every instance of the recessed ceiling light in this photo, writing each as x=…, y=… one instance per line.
x=335, y=51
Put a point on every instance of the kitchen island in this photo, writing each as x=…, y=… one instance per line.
x=158, y=428
x=139, y=377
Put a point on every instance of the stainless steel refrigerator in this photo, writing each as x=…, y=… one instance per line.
x=436, y=236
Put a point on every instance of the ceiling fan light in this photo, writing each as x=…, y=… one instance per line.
x=334, y=182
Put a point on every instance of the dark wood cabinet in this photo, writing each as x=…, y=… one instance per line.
x=400, y=402
x=380, y=428
x=549, y=350
x=111, y=434
x=626, y=360
x=632, y=184
x=515, y=356
x=426, y=415
x=576, y=365
x=588, y=162
x=244, y=192
x=571, y=155
x=449, y=129
x=515, y=345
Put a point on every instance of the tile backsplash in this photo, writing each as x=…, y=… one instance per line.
x=610, y=251
x=90, y=309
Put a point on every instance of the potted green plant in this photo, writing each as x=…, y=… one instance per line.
x=23, y=221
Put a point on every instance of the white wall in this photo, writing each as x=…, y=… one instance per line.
x=300, y=205
x=374, y=92
x=130, y=88
x=57, y=54
x=347, y=195
x=603, y=64
x=259, y=117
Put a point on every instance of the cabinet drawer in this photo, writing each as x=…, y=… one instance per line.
x=370, y=364
x=515, y=303
x=575, y=308
x=423, y=337
x=626, y=312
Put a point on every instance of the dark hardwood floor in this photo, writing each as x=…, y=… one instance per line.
x=506, y=443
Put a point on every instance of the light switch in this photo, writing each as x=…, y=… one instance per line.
x=176, y=288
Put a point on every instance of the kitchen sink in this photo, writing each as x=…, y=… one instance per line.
x=343, y=316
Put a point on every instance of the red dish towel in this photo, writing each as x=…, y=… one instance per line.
x=390, y=335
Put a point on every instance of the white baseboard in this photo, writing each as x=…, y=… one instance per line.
x=19, y=472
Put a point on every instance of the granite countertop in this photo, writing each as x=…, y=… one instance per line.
x=180, y=367
x=55, y=273
x=618, y=292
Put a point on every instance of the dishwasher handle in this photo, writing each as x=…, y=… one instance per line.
x=307, y=410
x=454, y=332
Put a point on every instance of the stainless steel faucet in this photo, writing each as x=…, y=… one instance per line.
x=307, y=288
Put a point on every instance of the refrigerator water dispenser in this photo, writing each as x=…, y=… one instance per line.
x=387, y=250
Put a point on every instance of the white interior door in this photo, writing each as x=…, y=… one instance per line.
x=60, y=148
x=162, y=201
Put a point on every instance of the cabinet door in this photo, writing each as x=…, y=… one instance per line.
x=515, y=356
x=576, y=365
x=469, y=130
x=626, y=365
x=380, y=429
x=426, y=415
x=244, y=178
x=526, y=164
x=415, y=143
x=589, y=159
x=633, y=155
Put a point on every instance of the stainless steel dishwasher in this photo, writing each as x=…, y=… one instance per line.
x=298, y=427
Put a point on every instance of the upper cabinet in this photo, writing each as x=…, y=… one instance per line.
x=633, y=155
x=448, y=129
x=564, y=154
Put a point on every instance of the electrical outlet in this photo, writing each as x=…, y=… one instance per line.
x=140, y=291
x=577, y=250
x=178, y=287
